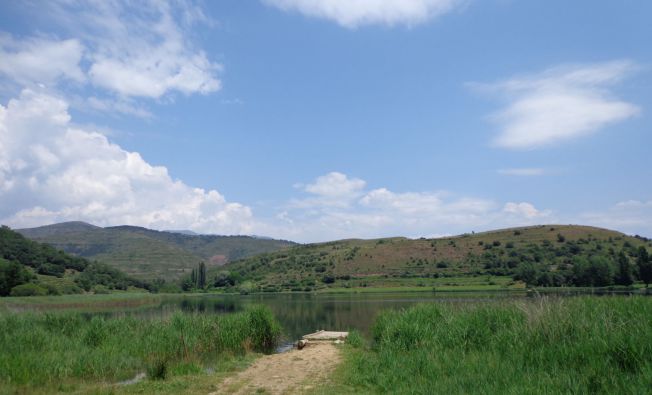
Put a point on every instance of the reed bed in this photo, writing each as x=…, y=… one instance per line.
x=574, y=345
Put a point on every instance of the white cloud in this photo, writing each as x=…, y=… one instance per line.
x=126, y=49
x=335, y=184
x=51, y=171
x=525, y=210
x=522, y=171
x=142, y=49
x=559, y=104
x=354, y=13
x=341, y=207
x=40, y=60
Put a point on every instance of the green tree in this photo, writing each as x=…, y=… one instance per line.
x=644, y=264
x=624, y=275
x=201, y=275
x=11, y=275
x=594, y=272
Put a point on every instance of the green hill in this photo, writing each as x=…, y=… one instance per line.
x=146, y=253
x=547, y=255
x=31, y=268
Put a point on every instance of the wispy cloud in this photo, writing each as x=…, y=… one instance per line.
x=523, y=171
x=40, y=60
x=631, y=216
x=124, y=50
x=354, y=13
x=559, y=104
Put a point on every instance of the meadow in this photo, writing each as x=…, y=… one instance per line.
x=566, y=345
x=66, y=351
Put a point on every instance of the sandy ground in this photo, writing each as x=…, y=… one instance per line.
x=292, y=372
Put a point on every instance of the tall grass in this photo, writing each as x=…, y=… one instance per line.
x=579, y=345
x=44, y=349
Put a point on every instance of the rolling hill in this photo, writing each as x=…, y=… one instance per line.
x=146, y=253
x=546, y=255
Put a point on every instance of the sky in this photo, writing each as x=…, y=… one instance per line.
x=315, y=120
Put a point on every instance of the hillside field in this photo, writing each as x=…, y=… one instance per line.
x=546, y=255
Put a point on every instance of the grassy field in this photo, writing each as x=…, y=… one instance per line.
x=71, y=351
x=573, y=345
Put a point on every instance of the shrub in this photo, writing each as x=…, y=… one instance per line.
x=28, y=289
x=100, y=290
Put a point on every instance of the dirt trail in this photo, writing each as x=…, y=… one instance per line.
x=292, y=372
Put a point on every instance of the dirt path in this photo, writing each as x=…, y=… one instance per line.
x=292, y=372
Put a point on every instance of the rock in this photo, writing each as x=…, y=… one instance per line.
x=301, y=344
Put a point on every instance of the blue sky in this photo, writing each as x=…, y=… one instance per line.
x=323, y=119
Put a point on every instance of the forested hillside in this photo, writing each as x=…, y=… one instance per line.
x=31, y=268
x=150, y=254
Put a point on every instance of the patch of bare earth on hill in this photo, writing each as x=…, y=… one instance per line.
x=292, y=372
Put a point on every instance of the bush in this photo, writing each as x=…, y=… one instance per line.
x=355, y=339
x=28, y=289
x=11, y=275
x=100, y=290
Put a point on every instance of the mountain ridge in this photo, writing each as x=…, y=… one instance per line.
x=147, y=253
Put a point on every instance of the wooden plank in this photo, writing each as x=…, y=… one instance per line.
x=326, y=336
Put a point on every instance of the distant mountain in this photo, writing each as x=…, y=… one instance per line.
x=146, y=253
x=183, y=232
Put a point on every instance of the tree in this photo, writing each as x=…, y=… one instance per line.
x=624, y=275
x=11, y=275
x=644, y=264
x=596, y=272
x=527, y=273
x=602, y=272
x=201, y=275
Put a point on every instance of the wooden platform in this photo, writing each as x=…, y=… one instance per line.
x=326, y=336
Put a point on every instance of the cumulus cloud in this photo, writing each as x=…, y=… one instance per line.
x=52, y=171
x=40, y=60
x=560, y=104
x=338, y=206
x=352, y=14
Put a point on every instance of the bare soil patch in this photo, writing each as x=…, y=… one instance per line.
x=292, y=372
